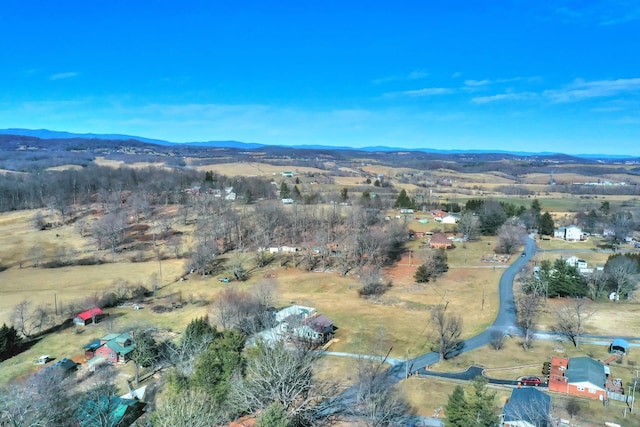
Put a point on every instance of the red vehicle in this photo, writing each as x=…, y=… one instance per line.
x=533, y=381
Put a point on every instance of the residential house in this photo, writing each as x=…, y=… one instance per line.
x=93, y=315
x=527, y=407
x=440, y=241
x=120, y=412
x=574, y=261
x=450, y=219
x=114, y=348
x=578, y=376
x=298, y=311
x=438, y=214
x=571, y=233
x=314, y=330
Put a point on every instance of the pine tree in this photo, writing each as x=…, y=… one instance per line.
x=284, y=190
x=422, y=274
x=403, y=200
x=546, y=224
x=9, y=341
x=457, y=409
x=482, y=404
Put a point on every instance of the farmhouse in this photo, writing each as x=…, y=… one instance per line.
x=114, y=348
x=578, y=376
x=571, y=233
x=574, y=261
x=440, y=241
x=527, y=407
x=450, y=219
x=296, y=311
x=93, y=315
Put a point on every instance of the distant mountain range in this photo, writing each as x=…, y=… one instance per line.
x=50, y=134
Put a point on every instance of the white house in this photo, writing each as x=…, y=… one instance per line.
x=449, y=219
x=295, y=310
x=571, y=233
x=574, y=261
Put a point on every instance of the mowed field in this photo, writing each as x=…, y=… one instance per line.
x=255, y=169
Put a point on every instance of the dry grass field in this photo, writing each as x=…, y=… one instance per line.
x=398, y=320
x=255, y=169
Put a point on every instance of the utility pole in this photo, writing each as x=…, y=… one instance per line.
x=406, y=364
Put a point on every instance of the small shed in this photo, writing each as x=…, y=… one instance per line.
x=619, y=346
x=89, y=316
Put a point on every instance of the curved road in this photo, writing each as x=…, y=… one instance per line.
x=505, y=320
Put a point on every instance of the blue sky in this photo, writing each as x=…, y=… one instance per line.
x=555, y=75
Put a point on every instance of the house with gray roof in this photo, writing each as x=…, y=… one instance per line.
x=527, y=407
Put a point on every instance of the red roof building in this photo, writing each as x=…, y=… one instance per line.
x=440, y=241
x=88, y=316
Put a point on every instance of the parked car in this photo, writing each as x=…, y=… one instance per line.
x=533, y=381
x=224, y=279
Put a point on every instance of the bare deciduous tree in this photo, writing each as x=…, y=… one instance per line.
x=42, y=401
x=620, y=271
x=528, y=307
x=510, y=238
x=571, y=318
x=469, y=226
x=596, y=284
x=192, y=407
x=277, y=374
x=447, y=331
x=110, y=228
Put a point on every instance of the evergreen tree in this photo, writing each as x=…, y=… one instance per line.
x=422, y=274
x=296, y=193
x=536, y=206
x=273, y=416
x=457, y=409
x=403, y=200
x=284, y=191
x=215, y=366
x=546, y=225
x=492, y=216
x=9, y=341
x=248, y=196
x=482, y=404
x=344, y=194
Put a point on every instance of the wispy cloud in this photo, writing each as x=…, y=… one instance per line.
x=427, y=91
x=61, y=76
x=413, y=75
x=456, y=75
x=517, y=96
x=581, y=90
x=486, y=82
x=599, y=12
x=477, y=82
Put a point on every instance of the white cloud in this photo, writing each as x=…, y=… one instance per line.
x=428, y=91
x=516, y=96
x=477, y=82
x=413, y=75
x=61, y=76
x=456, y=75
x=581, y=90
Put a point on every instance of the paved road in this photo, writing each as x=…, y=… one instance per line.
x=505, y=320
